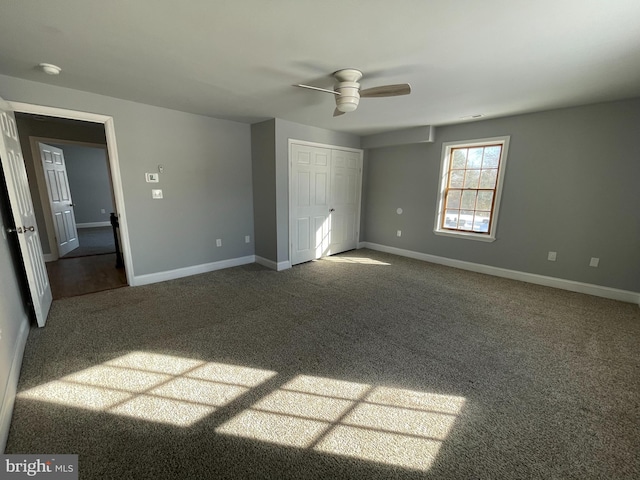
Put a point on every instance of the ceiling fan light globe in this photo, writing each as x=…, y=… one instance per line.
x=347, y=104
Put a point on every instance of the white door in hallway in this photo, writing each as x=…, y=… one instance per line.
x=55, y=175
x=17, y=183
x=324, y=203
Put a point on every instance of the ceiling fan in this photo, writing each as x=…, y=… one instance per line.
x=347, y=90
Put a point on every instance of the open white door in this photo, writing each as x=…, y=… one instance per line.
x=22, y=210
x=55, y=176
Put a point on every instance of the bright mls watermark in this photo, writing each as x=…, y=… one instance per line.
x=51, y=467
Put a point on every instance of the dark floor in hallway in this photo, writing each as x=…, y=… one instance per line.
x=77, y=276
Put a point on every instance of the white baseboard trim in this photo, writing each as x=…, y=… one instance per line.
x=277, y=266
x=93, y=224
x=188, y=271
x=50, y=257
x=572, y=286
x=9, y=397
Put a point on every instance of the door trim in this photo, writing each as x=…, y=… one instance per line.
x=114, y=164
x=291, y=142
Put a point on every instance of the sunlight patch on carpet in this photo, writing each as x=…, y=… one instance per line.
x=360, y=260
x=152, y=387
x=392, y=426
x=387, y=425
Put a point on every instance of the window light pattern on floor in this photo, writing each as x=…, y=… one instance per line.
x=152, y=387
x=360, y=260
x=381, y=424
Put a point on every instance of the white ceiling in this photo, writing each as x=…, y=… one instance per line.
x=237, y=59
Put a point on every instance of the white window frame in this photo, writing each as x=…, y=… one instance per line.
x=444, y=176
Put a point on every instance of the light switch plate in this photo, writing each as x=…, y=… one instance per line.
x=156, y=194
x=152, y=177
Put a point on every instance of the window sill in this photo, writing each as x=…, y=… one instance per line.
x=466, y=235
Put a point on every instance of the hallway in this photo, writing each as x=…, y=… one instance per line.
x=77, y=276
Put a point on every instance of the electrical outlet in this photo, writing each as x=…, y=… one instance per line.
x=594, y=262
x=247, y=239
x=399, y=233
x=156, y=194
x=552, y=256
x=218, y=242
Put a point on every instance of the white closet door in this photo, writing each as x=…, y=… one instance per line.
x=310, y=192
x=346, y=173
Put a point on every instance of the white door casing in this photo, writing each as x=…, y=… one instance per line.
x=59, y=194
x=24, y=217
x=324, y=191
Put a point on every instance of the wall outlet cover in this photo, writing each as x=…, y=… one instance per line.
x=156, y=194
x=552, y=256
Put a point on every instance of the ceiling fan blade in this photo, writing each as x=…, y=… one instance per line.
x=386, y=91
x=337, y=113
x=310, y=87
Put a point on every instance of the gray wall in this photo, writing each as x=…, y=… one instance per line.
x=207, y=180
x=89, y=182
x=571, y=186
x=13, y=314
x=289, y=130
x=263, y=161
x=28, y=126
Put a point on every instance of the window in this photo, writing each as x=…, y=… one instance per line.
x=471, y=177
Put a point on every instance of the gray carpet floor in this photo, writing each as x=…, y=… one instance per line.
x=93, y=241
x=364, y=365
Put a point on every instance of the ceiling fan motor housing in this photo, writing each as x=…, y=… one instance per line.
x=349, y=97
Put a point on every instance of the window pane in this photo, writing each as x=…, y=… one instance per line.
x=459, y=158
x=484, y=200
x=481, y=222
x=475, y=158
x=471, y=179
x=451, y=218
x=491, y=157
x=488, y=178
x=469, y=199
x=457, y=179
x=453, y=199
x=465, y=221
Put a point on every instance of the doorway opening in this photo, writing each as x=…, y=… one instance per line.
x=78, y=260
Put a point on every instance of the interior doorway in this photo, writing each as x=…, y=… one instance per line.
x=93, y=266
